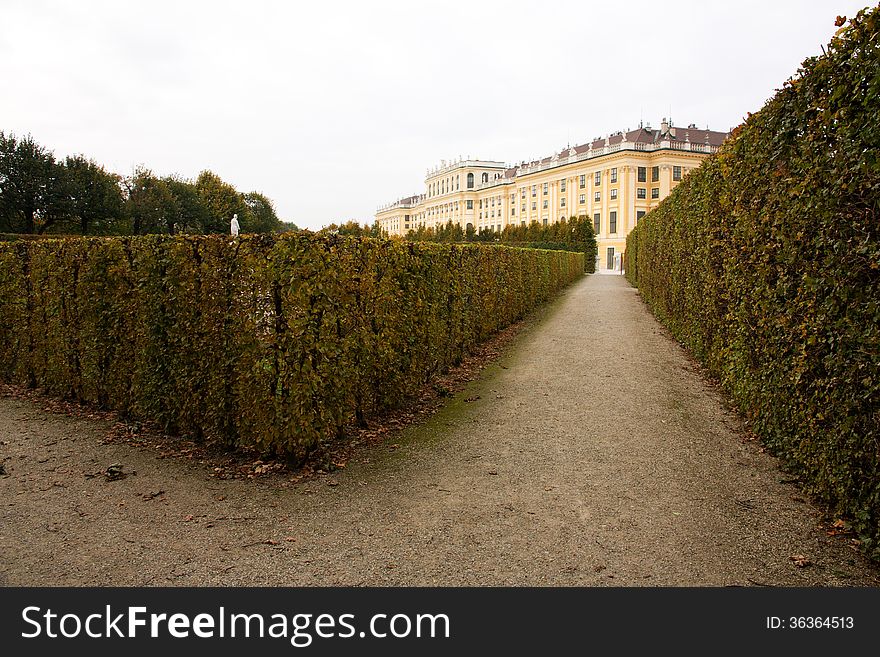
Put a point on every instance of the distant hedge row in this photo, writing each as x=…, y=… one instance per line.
x=273, y=342
x=765, y=262
x=587, y=248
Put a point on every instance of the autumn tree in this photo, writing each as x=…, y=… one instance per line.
x=32, y=197
x=261, y=216
x=189, y=214
x=94, y=197
x=150, y=204
x=287, y=227
x=221, y=201
x=350, y=227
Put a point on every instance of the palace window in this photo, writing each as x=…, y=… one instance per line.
x=485, y=177
x=597, y=178
x=676, y=173
x=470, y=181
x=512, y=211
x=597, y=197
x=597, y=222
x=655, y=174
x=562, y=202
x=639, y=215
x=524, y=208
x=545, y=204
x=641, y=192
x=613, y=194
x=562, y=185
x=582, y=199
x=612, y=222
x=614, y=175
x=534, y=206
x=546, y=186
x=655, y=192
x=643, y=174
x=523, y=190
x=470, y=205
x=583, y=181
x=534, y=190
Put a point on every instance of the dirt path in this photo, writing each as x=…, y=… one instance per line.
x=593, y=454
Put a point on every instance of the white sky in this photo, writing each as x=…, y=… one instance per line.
x=334, y=108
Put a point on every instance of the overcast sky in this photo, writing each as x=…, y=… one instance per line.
x=334, y=108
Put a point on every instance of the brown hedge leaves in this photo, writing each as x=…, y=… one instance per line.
x=273, y=342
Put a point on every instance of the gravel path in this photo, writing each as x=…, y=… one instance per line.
x=591, y=453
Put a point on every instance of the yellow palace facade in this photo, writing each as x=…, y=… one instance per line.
x=614, y=181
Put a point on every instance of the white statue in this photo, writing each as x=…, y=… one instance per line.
x=234, y=225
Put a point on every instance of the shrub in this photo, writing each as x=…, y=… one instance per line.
x=273, y=342
x=765, y=262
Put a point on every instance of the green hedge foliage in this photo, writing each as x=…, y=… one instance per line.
x=273, y=342
x=765, y=263
x=587, y=248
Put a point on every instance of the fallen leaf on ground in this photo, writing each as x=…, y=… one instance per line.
x=800, y=560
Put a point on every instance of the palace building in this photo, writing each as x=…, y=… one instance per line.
x=614, y=181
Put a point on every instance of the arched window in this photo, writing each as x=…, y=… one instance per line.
x=485, y=177
x=470, y=181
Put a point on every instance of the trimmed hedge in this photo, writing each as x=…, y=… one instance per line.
x=587, y=248
x=274, y=342
x=765, y=263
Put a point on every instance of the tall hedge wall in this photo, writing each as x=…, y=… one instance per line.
x=273, y=342
x=765, y=263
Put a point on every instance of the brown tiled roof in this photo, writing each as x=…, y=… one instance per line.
x=699, y=136
x=641, y=135
x=645, y=136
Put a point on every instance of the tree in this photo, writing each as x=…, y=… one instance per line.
x=288, y=227
x=261, y=217
x=32, y=197
x=189, y=213
x=150, y=205
x=350, y=227
x=221, y=200
x=94, y=196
